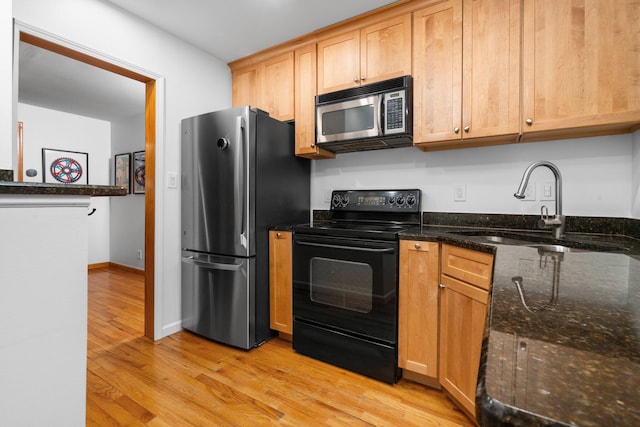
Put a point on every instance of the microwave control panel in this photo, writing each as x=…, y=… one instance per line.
x=395, y=104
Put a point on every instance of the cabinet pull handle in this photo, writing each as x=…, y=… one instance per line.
x=529, y=121
x=456, y=130
x=466, y=129
x=417, y=246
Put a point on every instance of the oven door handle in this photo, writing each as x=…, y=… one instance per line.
x=324, y=245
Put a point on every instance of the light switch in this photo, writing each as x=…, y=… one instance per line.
x=460, y=193
x=172, y=180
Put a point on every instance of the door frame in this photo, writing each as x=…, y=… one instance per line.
x=154, y=99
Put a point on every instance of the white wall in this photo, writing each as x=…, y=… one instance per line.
x=127, y=213
x=635, y=179
x=195, y=82
x=6, y=86
x=596, y=174
x=45, y=128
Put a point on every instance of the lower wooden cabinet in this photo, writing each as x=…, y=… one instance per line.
x=443, y=296
x=281, y=283
x=418, y=309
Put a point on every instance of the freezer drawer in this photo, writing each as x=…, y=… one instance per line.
x=216, y=298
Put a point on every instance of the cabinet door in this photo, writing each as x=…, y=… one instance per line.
x=280, y=282
x=247, y=87
x=580, y=65
x=418, y=307
x=437, y=72
x=305, y=106
x=463, y=310
x=491, y=63
x=339, y=62
x=386, y=50
x=278, y=87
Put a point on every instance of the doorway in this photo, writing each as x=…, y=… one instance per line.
x=150, y=161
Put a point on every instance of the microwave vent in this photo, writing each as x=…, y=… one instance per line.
x=355, y=92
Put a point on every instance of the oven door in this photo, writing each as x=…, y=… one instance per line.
x=349, y=285
x=352, y=119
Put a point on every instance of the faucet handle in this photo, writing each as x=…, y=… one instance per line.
x=544, y=212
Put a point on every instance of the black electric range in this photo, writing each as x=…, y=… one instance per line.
x=345, y=281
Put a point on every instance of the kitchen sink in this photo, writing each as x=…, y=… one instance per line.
x=557, y=248
x=544, y=243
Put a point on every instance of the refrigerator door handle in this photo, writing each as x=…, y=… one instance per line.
x=212, y=265
x=242, y=179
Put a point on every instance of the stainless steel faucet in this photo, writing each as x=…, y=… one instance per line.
x=557, y=222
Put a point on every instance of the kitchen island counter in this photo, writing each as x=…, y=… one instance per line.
x=9, y=187
x=562, y=337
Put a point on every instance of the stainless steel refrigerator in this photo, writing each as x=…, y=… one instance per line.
x=239, y=177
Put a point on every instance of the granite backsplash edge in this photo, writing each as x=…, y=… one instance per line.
x=628, y=227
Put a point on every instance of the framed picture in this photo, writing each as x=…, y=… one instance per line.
x=65, y=167
x=122, y=171
x=138, y=172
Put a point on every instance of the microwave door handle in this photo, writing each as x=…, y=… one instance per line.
x=327, y=246
x=381, y=114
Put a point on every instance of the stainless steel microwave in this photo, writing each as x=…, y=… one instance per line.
x=369, y=117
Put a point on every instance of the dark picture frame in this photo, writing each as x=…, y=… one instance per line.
x=122, y=171
x=138, y=172
x=65, y=167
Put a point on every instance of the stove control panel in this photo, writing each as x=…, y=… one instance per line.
x=376, y=200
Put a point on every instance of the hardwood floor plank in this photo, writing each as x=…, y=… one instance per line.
x=185, y=380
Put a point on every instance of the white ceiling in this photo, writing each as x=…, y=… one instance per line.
x=227, y=29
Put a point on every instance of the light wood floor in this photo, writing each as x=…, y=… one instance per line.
x=184, y=380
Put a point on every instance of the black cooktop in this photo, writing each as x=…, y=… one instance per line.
x=368, y=214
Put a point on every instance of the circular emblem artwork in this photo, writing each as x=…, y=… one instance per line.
x=139, y=175
x=66, y=170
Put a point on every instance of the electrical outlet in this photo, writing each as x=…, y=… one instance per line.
x=547, y=191
x=460, y=193
x=530, y=191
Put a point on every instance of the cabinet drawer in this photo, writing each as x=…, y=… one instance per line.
x=467, y=265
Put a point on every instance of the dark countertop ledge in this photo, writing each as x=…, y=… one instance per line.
x=572, y=363
x=36, y=188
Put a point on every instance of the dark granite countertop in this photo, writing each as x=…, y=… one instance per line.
x=563, y=348
x=7, y=187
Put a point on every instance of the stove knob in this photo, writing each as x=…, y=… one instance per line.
x=411, y=200
x=336, y=201
x=345, y=200
x=400, y=200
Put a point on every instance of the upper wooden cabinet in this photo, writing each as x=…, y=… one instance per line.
x=376, y=52
x=247, y=86
x=466, y=69
x=581, y=63
x=305, y=72
x=267, y=85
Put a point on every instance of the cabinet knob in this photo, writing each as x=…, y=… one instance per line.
x=456, y=130
x=417, y=245
x=441, y=286
x=362, y=78
x=278, y=235
x=313, y=146
x=466, y=129
x=356, y=80
x=529, y=121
